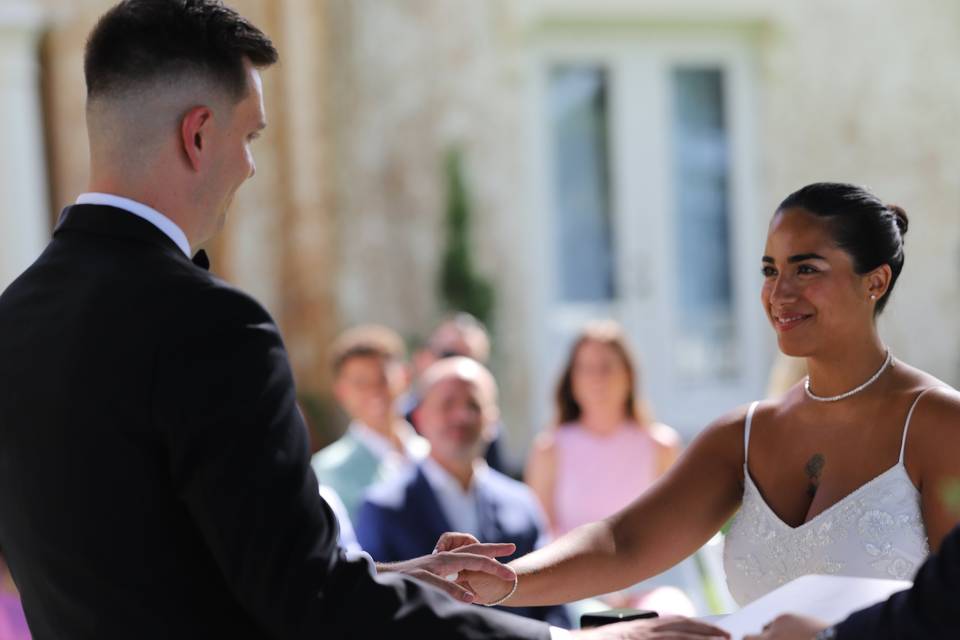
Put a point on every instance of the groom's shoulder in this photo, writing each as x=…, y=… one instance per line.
x=202, y=299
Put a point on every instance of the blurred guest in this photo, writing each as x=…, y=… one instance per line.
x=454, y=489
x=459, y=334
x=13, y=623
x=369, y=376
x=602, y=422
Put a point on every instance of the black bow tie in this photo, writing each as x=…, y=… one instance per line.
x=201, y=260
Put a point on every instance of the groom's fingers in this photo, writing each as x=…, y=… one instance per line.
x=489, y=549
x=453, y=589
x=454, y=540
x=466, y=543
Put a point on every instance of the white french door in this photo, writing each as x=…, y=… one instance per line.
x=646, y=212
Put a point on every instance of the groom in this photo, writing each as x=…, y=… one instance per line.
x=154, y=477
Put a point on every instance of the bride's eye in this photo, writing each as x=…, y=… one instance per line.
x=807, y=269
x=768, y=271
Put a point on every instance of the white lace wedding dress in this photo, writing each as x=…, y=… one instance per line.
x=876, y=531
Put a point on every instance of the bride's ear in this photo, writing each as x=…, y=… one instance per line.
x=878, y=282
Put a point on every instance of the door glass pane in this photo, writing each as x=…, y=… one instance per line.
x=701, y=190
x=578, y=118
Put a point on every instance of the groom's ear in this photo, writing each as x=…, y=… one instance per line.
x=194, y=135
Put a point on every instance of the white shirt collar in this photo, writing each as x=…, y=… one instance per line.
x=415, y=447
x=441, y=479
x=460, y=507
x=154, y=217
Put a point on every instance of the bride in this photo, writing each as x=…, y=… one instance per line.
x=841, y=475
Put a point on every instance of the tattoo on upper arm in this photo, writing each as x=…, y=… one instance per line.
x=813, y=469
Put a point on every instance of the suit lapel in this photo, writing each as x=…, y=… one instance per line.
x=426, y=509
x=490, y=529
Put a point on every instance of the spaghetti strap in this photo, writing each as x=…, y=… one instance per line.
x=746, y=429
x=906, y=426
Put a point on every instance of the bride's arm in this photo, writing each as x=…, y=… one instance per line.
x=665, y=524
x=931, y=455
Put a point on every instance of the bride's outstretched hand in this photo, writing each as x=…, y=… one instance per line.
x=487, y=588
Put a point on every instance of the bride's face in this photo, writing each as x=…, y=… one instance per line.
x=811, y=293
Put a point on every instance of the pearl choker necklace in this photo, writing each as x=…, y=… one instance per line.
x=847, y=394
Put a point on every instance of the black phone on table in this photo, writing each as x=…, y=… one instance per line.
x=611, y=616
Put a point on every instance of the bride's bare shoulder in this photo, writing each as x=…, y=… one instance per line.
x=940, y=403
x=727, y=434
x=724, y=437
x=936, y=417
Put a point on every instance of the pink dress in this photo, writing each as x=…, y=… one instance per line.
x=597, y=475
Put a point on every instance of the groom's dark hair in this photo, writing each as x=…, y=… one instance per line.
x=140, y=42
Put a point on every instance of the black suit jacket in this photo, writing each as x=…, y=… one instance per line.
x=927, y=611
x=154, y=476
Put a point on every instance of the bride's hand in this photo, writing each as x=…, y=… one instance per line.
x=485, y=586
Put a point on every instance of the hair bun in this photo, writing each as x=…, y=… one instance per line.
x=900, y=217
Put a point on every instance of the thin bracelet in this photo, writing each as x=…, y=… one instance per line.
x=516, y=582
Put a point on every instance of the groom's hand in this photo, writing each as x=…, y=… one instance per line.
x=668, y=628
x=790, y=627
x=455, y=555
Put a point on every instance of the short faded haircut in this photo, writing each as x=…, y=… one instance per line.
x=139, y=44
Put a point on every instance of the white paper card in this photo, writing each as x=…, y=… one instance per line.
x=827, y=598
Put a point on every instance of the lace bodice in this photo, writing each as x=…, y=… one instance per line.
x=876, y=531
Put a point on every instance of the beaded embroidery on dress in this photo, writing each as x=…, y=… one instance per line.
x=876, y=531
